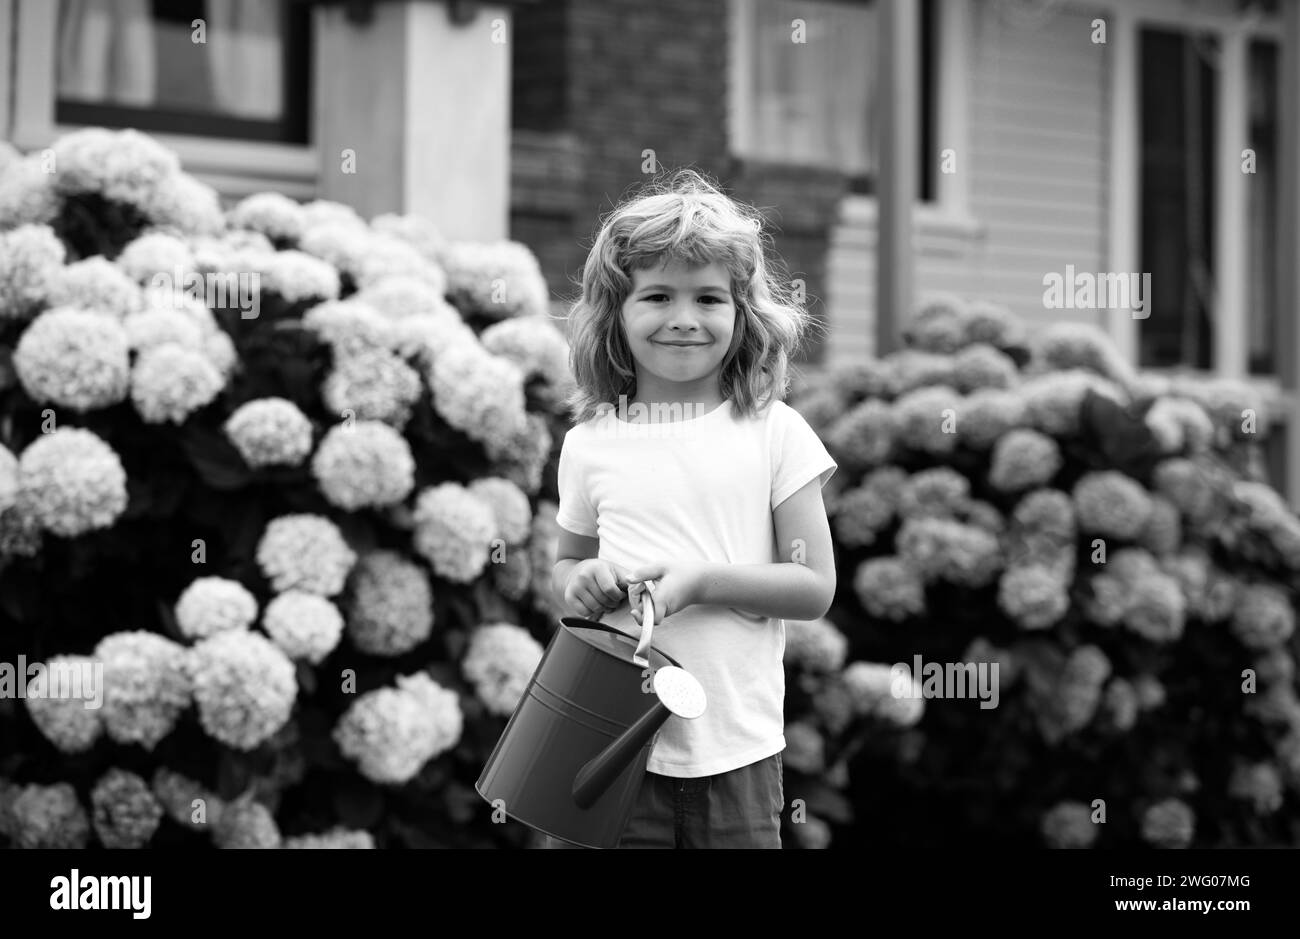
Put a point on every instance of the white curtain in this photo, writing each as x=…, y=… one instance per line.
x=815, y=101
x=106, y=52
x=245, y=53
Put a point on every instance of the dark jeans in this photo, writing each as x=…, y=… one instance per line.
x=738, y=809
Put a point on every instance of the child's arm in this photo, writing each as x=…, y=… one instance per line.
x=800, y=587
x=598, y=586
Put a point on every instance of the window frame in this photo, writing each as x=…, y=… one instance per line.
x=234, y=167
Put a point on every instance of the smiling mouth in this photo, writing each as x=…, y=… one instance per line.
x=683, y=345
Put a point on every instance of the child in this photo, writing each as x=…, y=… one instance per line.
x=687, y=475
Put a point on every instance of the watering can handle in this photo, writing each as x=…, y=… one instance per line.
x=647, y=626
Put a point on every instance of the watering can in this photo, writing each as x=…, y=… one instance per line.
x=573, y=755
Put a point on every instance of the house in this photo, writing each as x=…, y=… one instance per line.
x=1055, y=139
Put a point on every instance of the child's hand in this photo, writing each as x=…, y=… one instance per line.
x=674, y=588
x=594, y=588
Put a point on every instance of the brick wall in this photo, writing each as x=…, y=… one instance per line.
x=640, y=76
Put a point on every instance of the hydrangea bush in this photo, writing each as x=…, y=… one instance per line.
x=288, y=477
x=1107, y=539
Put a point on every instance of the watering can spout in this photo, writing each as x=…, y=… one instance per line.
x=602, y=769
x=677, y=692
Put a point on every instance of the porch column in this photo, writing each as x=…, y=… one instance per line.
x=413, y=113
x=900, y=103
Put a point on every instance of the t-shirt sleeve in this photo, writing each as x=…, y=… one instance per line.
x=798, y=455
x=576, y=512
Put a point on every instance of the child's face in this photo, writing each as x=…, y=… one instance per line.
x=679, y=322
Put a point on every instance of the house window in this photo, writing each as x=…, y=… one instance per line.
x=816, y=102
x=1263, y=196
x=1177, y=120
x=215, y=68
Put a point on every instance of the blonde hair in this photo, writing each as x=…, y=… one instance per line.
x=683, y=217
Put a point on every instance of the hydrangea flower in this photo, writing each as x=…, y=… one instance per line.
x=542, y=549
x=1068, y=345
x=391, y=604
x=170, y=382
x=338, y=243
x=270, y=432
x=1259, y=784
x=1034, y=596
x=859, y=515
x=305, y=552
x=939, y=323
x=1189, y=487
x=864, y=437
x=404, y=297
x=325, y=212
x=121, y=165
x=815, y=645
x=156, y=258
x=988, y=413
x=1068, y=825
x=1156, y=609
x=982, y=366
x=536, y=346
x=304, y=625
x=349, y=326
x=374, y=384
x=363, y=465
x=875, y=690
x=31, y=257
x=911, y=369
x=1163, y=532
x=20, y=529
x=178, y=794
x=66, y=721
x=422, y=339
x=74, y=358
x=820, y=407
x=890, y=588
x=390, y=733
x=386, y=256
x=937, y=492
x=244, y=688
x=274, y=215
x=499, y=664
x=48, y=817
x=210, y=605
x=126, y=812
x=1111, y=504
x=415, y=230
x=871, y=378
x=496, y=280
x=1024, y=459
x=1264, y=616
x=922, y=418
x=805, y=750
x=1179, y=424
x=146, y=686
x=479, y=394
x=94, y=284
x=297, y=276
x=150, y=328
x=995, y=324
x=1069, y=703
x=336, y=837
x=27, y=195
x=453, y=531
x=1120, y=703
x=1169, y=823
x=185, y=204
x=513, y=576
x=72, y=482
x=522, y=457
x=246, y=824
x=1053, y=400
x=509, y=505
x=944, y=549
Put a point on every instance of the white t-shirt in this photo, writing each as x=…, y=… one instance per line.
x=698, y=490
